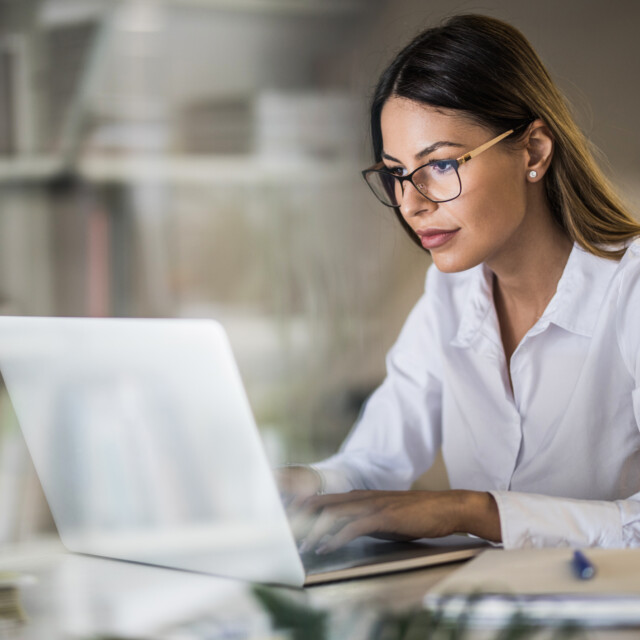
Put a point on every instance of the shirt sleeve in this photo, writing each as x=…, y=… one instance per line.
x=530, y=520
x=398, y=433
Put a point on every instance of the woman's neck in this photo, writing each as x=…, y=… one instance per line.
x=526, y=278
x=527, y=274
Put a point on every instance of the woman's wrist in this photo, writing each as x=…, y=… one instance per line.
x=313, y=477
x=478, y=515
x=322, y=487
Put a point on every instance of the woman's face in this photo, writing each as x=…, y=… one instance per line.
x=486, y=219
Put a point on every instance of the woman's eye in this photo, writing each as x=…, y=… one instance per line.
x=396, y=171
x=442, y=166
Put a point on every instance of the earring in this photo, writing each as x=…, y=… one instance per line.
x=533, y=174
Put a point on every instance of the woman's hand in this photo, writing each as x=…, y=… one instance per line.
x=297, y=483
x=325, y=523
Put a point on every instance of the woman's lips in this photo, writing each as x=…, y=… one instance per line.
x=433, y=238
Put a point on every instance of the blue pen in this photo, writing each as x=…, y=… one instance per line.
x=582, y=566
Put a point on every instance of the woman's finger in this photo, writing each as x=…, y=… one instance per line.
x=305, y=517
x=303, y=513
x=296, y=502
x=351, y=531
x=330, y=520
x=301, y=520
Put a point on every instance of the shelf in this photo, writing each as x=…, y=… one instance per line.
x=291, y=7
x=250, y=171
x=29, y=169
x=65, y=12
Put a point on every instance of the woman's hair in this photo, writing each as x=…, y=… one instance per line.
x=487, y=70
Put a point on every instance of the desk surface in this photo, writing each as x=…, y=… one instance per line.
x=80, y=597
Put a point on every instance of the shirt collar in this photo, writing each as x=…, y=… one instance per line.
x=477, y=307
x=574, y=306
x=581, y=289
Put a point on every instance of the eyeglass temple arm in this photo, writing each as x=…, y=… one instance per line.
x=483, y=147
x=467, y=156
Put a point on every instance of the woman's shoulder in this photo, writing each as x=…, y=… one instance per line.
x=632, y=254
x=627, y=307
x=627, y=274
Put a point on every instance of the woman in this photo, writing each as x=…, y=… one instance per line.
x=522, y=358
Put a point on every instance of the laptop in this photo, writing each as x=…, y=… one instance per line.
x=147, y=451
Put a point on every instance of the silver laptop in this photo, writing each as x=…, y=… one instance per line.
x=147, y=451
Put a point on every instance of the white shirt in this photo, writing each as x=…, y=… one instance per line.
x=561, y=453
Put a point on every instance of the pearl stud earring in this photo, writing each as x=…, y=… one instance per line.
x=533, y=174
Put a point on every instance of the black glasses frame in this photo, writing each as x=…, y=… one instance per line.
x=380, y=168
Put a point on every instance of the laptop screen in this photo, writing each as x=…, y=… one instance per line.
x=145, y=444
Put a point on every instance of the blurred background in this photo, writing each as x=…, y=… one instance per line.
x=201, y=158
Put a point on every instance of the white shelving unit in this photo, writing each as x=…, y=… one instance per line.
x=29, y=169
x=198, y=170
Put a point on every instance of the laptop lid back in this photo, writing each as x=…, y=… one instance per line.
x=145, y=444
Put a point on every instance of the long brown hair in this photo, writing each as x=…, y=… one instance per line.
x=487, y=70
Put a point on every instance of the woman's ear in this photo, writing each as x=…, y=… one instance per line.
x=539, y=150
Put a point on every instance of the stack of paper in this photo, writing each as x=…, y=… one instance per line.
x=540, y=585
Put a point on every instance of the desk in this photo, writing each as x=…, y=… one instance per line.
x=84, y=597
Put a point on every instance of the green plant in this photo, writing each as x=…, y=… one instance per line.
x=307, y=623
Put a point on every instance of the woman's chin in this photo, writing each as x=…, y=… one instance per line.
x=450, y=262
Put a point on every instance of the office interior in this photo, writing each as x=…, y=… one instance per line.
x=201, y=159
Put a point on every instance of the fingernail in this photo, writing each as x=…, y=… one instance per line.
x=304, y=547
x=322, y=549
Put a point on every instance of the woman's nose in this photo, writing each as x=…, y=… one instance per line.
x=413, y=202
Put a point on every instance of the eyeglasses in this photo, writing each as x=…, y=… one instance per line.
x=438, y=180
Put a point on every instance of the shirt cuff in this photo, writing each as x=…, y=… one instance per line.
x=535, y=521
x=337, y=477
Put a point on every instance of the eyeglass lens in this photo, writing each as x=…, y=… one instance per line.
x=438, y=181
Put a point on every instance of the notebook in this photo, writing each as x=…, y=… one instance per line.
x=540, y=585
x=147, y=451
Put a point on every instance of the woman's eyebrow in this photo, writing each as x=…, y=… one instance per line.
x=426, y=151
